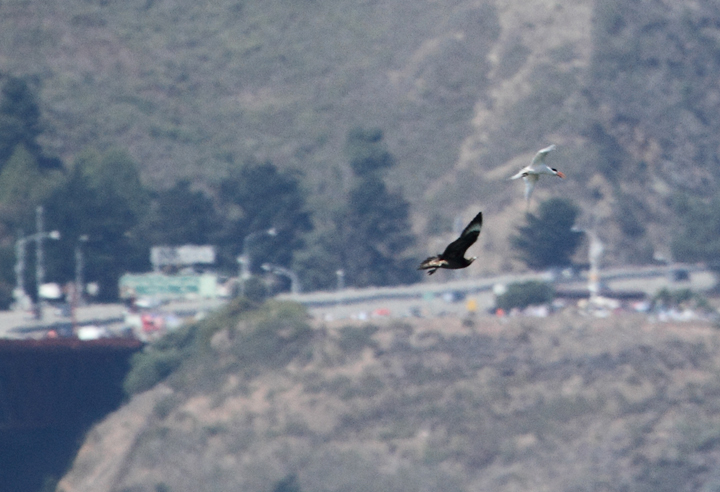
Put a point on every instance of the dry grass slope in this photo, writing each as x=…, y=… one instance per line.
x=563, y=404
x=465, y=93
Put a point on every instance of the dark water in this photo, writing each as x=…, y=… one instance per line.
x=33, y=460
x=50, y=396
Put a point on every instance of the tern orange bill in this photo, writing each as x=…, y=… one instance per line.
x=531, y=173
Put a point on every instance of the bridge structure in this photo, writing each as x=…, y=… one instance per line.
x=49, y=377
x=53, y=381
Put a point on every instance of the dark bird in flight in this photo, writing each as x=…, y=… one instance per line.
x=454, y=255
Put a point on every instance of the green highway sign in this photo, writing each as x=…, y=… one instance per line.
x=168, y=286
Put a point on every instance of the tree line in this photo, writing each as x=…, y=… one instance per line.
x=100, y=198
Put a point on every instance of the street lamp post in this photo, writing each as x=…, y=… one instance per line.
x=79, y=267
x=20, y=294
x=278, y=270
x=595, y=252
x=245, y=261
x=39, y=256
x=594, y=255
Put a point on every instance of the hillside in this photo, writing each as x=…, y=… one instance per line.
x=260, y=400
x=465, y=92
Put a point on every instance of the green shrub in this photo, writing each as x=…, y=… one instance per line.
x=275, y=338
x=165, y=406
x=354, y=339
x=276, y=335
x=523, y=294
x=149, y=367
x=675, y=298
x=255, y=289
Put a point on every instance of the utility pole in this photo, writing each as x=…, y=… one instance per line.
x=22, y=300
x=79, y=267
x=594, y=254
x=245, y=259
x=20, y=295
x=39, y=236
x=39, y=259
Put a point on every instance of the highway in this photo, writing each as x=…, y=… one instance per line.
x=21, y=324
x=428, y=299
x=439, y=299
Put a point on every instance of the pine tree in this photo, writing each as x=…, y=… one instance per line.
x=104, y=211
x=256, y=198
x=23, y=186
x=548, y=239
x=698, y=237
x=318, y=262
x=371, y=235
x=20, y=178
x=377, y=233
x=115, y=172
x=19, y=118
x=181, y=215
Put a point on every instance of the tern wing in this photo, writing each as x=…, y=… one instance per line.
x=541, y=154
x=530, y=181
